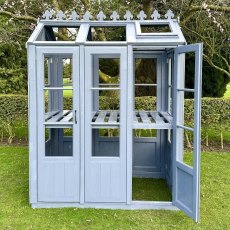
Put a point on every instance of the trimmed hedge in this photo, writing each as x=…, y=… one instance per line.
x=12, y=106
x=215, y=111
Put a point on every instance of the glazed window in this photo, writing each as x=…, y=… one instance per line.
x=108, y=34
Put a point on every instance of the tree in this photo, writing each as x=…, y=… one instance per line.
x=12, y=73
x=200, y=21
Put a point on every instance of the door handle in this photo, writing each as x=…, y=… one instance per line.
x=75, y=116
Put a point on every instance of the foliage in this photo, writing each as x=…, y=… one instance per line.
x=227, y=93
x=17, y=214
x=214, y=110
x=13, y=117
x=13, y=106
x=199, y=20
x=107, y=66
x=215, y=114
x=214, y=82
x=13, y=71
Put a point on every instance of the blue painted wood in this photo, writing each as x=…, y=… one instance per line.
x=100, y=169
x=186, y=179
x=135, y=205
x=81, y=117
x=57, y=176
x=32, y=103
x=129, y=120
x=105, y=177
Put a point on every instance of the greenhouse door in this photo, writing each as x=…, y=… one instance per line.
x=186, y=171
x=105, y=124
x=58, y=124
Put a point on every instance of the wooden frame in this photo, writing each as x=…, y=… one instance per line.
x=71, y=180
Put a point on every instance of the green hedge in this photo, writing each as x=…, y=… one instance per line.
x=12, y=106
x=214, y=110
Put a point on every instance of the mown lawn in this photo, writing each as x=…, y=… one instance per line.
x=15, y=212
x=227, y=93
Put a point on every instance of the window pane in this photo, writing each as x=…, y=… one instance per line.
x=107, y=34
x=109, y=72
x=155, y=28
x=59, y=34
x=57, y=71
x=145, y=71
x=145, y=133
x=105, y=142
x=59, y=142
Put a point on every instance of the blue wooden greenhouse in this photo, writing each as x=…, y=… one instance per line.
x=88, y=137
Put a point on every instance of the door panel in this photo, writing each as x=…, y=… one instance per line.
x=58, y=129
x=186, y=173
x=56, y=182
x=105, y=128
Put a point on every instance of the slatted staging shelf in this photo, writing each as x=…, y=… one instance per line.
x=111, y=119
x=62, y=119
x=152, y=120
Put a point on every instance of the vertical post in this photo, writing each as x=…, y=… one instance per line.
x=163, y=132
x=129, y=111
x=82, y=121
x=95, y=101
x=159, y=146
x=197, y=128
x=95, y=82
x=32, y=110
x=76, y=83
x=55, y=76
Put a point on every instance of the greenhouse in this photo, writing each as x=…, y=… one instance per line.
x=85, y=149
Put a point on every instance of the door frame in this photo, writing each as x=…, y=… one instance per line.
x=186, y=179
x=41, y=51
x=160, y=97
x=92, y=53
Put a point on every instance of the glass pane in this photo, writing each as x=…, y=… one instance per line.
x=105, y=142
x=147, y=103
x=67, y=72
x=155, y=28
x=58, y=71
x=170, y=96
x=189, y=71
x=145, y=71
x=107, y=34
x=145, y=83
x=109, y=132
x=145, y=91
x=145, y=133
x=109, y=99
x=58, y=100
x=186, y=109
x=109, y=72
x=185, y=150
x=59, y=34
x=59, y=142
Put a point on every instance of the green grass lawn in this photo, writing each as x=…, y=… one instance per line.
x=227, y=93
x=151, y=189
x=15, y=212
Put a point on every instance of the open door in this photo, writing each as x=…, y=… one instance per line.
x=186, y=172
